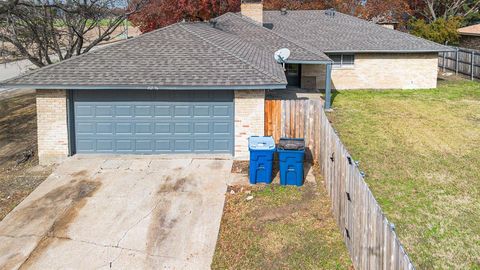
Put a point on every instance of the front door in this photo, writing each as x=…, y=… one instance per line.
x=292, y=73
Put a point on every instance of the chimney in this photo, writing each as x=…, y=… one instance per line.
x=252, y=9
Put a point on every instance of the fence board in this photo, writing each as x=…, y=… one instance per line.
x=462, y=61
x=371, y=241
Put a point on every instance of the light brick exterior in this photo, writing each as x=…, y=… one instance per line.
x=52, y=128
x=249, y=119
x=381, y=71
x=253, y=10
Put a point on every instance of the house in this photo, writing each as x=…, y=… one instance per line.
x=199, y=87
x=470, y=37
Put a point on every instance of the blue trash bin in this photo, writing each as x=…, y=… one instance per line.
x=262, y=150
x=291, y=154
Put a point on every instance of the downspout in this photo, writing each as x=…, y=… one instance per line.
x=328, y=87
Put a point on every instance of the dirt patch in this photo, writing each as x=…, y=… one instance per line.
x=287, y=210
x=160, y=224
x=174, y=185
x=240, y=166
x=215, y=165
x=275, y=227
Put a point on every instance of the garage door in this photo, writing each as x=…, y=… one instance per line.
x=153, y=122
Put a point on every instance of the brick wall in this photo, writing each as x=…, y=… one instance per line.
x=52, y=125
x=253, y=10
x=470, y=42
x=249, y=119
x=381, y=71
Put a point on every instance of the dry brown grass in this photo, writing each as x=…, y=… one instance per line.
x=280, y=228
x=18, y=135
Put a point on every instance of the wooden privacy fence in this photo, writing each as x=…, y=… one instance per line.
x=462, y=61
x=369, y=237
x=295, y=119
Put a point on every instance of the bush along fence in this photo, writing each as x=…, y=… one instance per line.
x=463, y=61
x=369, y=236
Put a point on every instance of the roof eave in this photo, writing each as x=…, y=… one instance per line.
x=321, y=62
x=469, y=34
x=146, y=87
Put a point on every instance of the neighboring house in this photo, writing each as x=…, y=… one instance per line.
x=470, y=37
x=200, y=87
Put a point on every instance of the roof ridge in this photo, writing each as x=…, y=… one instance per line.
x=107, y=46
x=307, y=47
x=232, y=54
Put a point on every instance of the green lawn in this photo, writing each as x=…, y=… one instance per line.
x=420, y=150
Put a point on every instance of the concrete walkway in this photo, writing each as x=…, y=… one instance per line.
x=119, y=213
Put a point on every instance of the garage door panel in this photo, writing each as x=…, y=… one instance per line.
x=182, y=128
x=223, y=111
x=201, y=128
x=221, y=145
x=182, y=146
x=104, y=145
x=143, y=111
x=143, y=128
x=104, y=128
x=144, y=146
x=182, y=111
x=144, y=122
x=86, y=145
x=124, y=128
x=200, y=111
x=222, y=128
x=163, y=111
x=84, y=111
x=202, y=145
x=86, y=128
x=103, y=111
x=163, y=128
x=123, y=111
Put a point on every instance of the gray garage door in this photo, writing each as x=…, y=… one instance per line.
x=153, y=122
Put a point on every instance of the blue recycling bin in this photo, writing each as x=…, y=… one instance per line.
x=261, y=150
x=291, y=155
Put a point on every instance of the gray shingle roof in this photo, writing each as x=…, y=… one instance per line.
x=344, y=33
x=271, y=41
x=181, y=55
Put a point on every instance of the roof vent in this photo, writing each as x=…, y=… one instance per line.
x=283, y=11
x=330, y=12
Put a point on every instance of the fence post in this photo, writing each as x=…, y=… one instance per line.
x=472, y=65
x=456, y=62
x=443, y=62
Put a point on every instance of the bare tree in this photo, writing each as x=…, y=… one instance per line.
x=40, y=30
x=434, y=9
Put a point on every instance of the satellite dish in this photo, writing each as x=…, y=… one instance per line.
x=282, y=55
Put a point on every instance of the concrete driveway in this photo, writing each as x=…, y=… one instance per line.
x=119, y=213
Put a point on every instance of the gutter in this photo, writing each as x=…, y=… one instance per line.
x=324, y=62
x=390, y=51
x=144, y=87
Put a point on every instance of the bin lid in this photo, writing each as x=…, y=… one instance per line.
x=261, y=143
x=291, y=144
